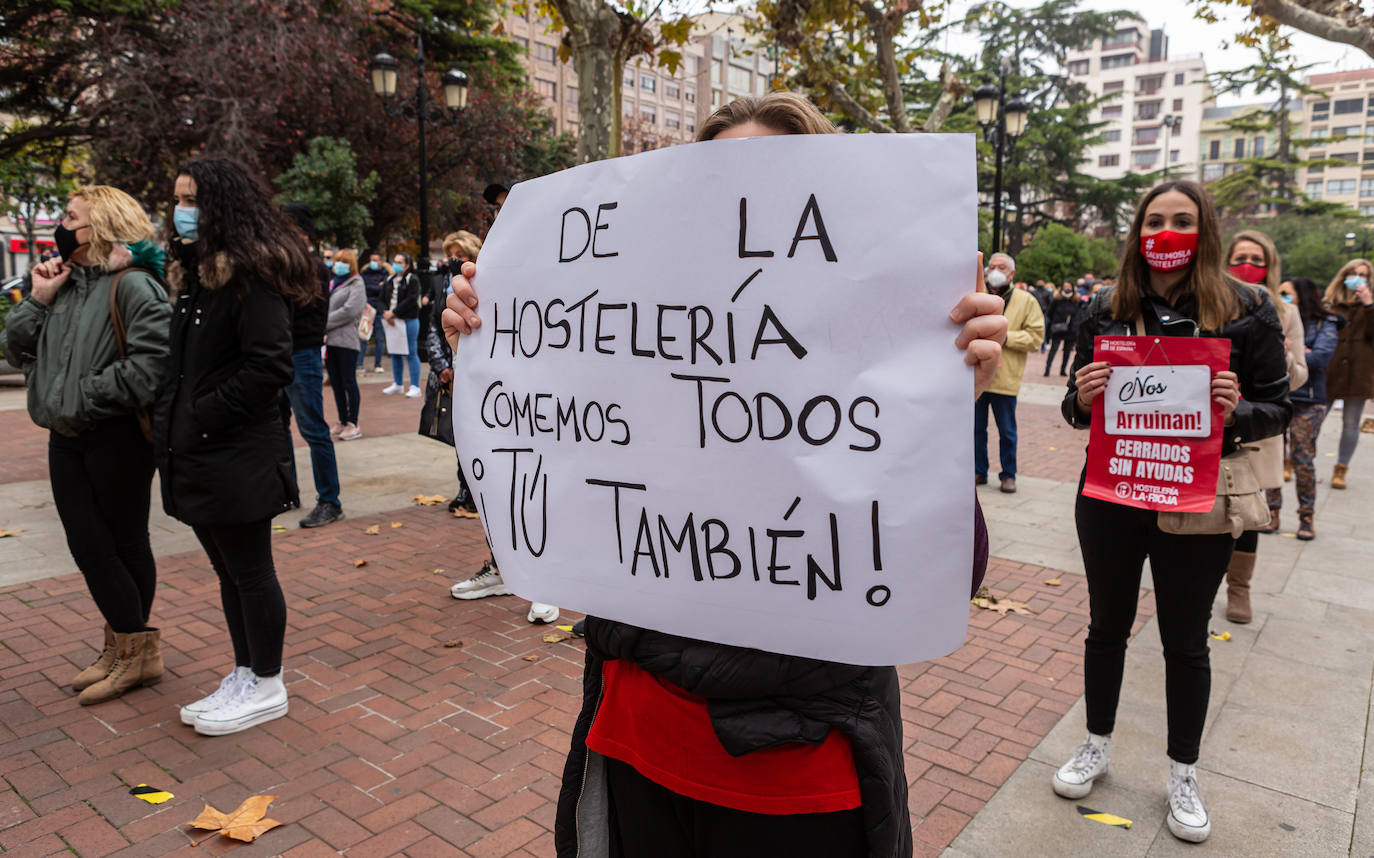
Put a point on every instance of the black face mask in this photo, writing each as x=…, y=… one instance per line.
x=66, y=241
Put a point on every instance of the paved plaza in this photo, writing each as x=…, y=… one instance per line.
x=425, y=726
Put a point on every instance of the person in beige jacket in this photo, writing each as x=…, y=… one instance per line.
x=1025, y=333
x=1253, y=259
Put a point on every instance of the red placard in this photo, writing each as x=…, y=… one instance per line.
x=1156, y=433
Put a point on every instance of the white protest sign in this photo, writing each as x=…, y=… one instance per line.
x=715, y=393
x=397, y=343
x=1173, y=401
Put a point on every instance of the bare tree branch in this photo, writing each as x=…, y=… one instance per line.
x=951, y=90
x=884, y=26
x=1300, y=15
x=854, y=110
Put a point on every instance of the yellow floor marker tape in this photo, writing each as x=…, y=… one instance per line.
x=1104, y=818
x=152, y=795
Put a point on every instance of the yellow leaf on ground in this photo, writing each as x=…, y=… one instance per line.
x=531, y=658
x=462, y=513
x=1054, y=582
x=245, y=823
x=396, y=524
x=358, y=564
x=430, y=500
x=6, y=533
x=988, y=602
x=1224, y=636
x=437, y=572
x=373, y=530
x=453, y=643
x=556, y=638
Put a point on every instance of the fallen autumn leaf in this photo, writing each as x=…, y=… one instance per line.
x=358, y=564
x=373, y=530
x=246, y=823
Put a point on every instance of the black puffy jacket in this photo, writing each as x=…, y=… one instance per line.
x=1257, y=356
x=756, y=700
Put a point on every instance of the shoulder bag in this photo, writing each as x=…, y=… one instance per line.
x=145, y=421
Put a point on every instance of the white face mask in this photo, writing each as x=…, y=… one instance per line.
x=996, y=278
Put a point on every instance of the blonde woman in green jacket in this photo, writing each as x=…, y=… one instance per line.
x=89, y=396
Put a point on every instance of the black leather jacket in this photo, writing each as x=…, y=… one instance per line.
x=1257, y=357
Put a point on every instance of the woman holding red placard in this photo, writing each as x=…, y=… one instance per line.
x=1174, y=283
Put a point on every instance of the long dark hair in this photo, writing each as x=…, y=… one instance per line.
x=1311, y=308
x=1211, y=286
x=239, y=222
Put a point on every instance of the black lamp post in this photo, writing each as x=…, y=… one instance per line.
x=1003, y=121
x=1364, y=241
x=1169, y=122
x=384, y=69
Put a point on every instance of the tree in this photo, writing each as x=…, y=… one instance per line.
x=1309, y=245
x=1342, y=21
x=325, y=177
x=1055, y=254
x=34, y=181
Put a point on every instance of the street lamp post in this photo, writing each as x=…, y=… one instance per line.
x=1003, y=121
x=384, y=68
x=1364, y=241
x=1169, y=122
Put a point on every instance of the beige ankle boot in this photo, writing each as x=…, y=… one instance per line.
x=1338, y=477
x=138, y=661
x=1238, y=576
x=101, y=668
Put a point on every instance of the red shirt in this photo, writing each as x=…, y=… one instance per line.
x=666, y=734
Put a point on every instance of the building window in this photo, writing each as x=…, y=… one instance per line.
x=1336, y=187
x=1352, y=157
x=1214, y=151
x=715, y=98
x=1320, y=110
x=1111, y=112
x=1148, y=109
x=1078, y=67
x=715, y=72
x=1240, y=148
x=672, y=119
x=1314, y=190
x=648, y=113
x=689, y=95
x=1176, y=130
x=1259, y=146
x=1117, y=61
x=1145, y=160
x=1113, y=136
x=1121, y=39
x=1367, y=187
x=523, y=43
x=1366, y=211
x=648, y=83
x=671, y=90
x=1349, y=105
x=718, y=47
x=1178, y=79
x=628, y=78
x=1319, y=133
x=546, y=88
x=1345, y=131
x=1174, y=155
x=1178, y=104
x=1145, y=136
x=1149, y=85
x=690, y=63
x=571, y=93
x=1212, y=172
x=741, y=80
x=1108, y=160
x=691, y=124
x=760, y=84
x=545, y=53
x=1112, y=85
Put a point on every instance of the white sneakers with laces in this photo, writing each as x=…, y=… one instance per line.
x=227, y=686
x=1187, y=816
x=1088, y=763
x=485, y=583
x=255, y=700
x=541, y=613
x=414, y=392
x=392, y=388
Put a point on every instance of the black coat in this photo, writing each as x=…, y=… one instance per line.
x=1257, y=356
x=756, y=700
x=408, y=297
x=217, y=430
x=307, y=323
x=1061, y=310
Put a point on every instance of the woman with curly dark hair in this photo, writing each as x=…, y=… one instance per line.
x=237, y=267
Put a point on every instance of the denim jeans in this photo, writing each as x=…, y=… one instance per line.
x=399, y=362
x=305, y=394
x=380, y=349
x=1004, y=412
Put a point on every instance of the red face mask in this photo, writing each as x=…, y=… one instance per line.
x=1249, y=273
x=1168, y=250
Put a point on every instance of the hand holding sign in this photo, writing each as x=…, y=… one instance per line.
x=1226, y=391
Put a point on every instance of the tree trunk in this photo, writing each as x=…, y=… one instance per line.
x=883, y=28
x=594, y=31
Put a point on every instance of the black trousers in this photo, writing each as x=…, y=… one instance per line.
x=650, y=821
x=254, y=607
x=341, y=366
x=1055, y=342
x=101, y=484
x=1187, y=570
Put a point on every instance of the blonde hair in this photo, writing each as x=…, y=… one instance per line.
x=349, y=256
x=115, y=218
x=465, y=241
x=1336, y=293
x=786, y=112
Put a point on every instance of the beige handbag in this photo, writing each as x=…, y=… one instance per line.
x=1266, y=457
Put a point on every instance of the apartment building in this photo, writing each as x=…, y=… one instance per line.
x=1155, y=109
x=1221, y=147
x=1343, y=113
x=659, y=107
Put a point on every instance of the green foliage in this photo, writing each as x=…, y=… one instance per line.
x=1103, y=258
x=1056, y=254
x=325, y=177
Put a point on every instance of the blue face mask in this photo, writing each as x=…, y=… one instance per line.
x=1354, y=282
x=341, y=269
x=186, y=219
x=373, y=265
x=1287, y=299
x=397, y=267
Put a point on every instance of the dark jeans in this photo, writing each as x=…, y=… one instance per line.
x=1055, y=343
x=254, y=607
x=343, y=380
x=649, y=821
x=101, y=484
x=1004, y=412
x=305, y=396
x=378, y=350
x=1187, y=570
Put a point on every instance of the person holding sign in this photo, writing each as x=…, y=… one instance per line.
x=1350, y=375
x=692, y=748
x=1172, y=284
x=401, y=325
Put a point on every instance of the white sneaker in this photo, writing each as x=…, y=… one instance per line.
x=1088, y=763
x=227, y=686
x=257, y=700
x=392, y=388
x=413, y=393
x=541, y=613
x=1187, y=817
x=485, y=583
x=378, y=370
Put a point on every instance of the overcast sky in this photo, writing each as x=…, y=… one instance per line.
x=1188, y=35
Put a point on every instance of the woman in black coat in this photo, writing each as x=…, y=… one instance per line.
x=1060, y=318
x=237, y=263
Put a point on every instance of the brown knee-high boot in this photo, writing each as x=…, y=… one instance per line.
x=101, y=668
x=138, y=661
x=1238, y=576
